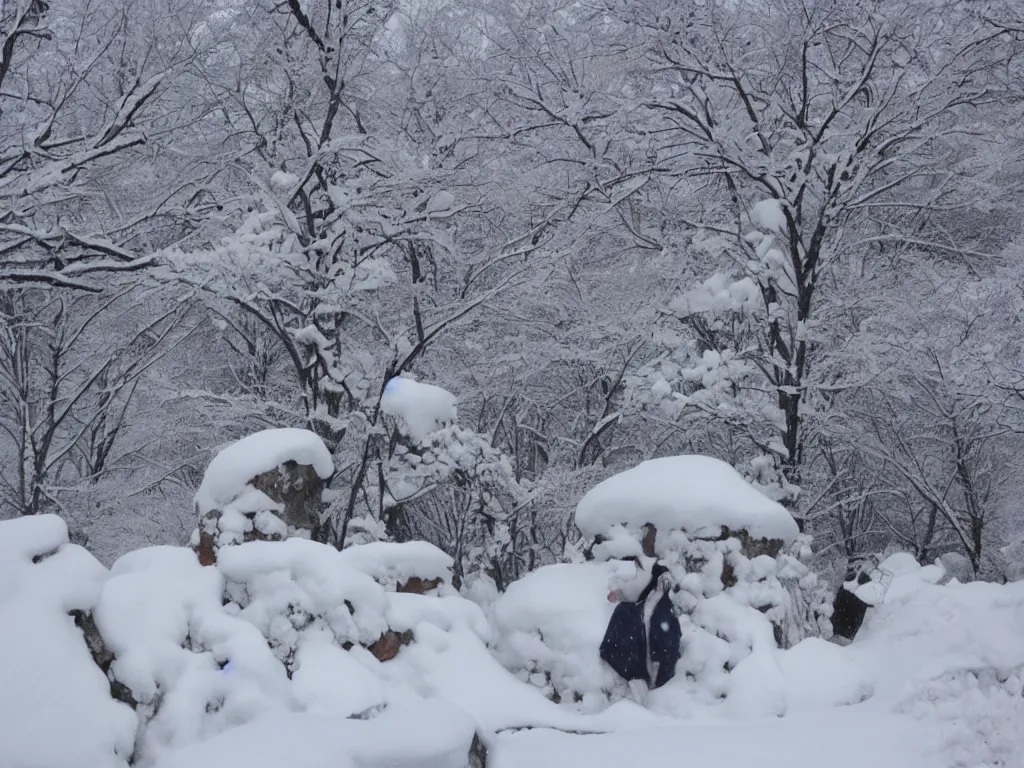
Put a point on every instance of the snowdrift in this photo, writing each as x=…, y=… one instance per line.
x=293, y=653
x=159, y=653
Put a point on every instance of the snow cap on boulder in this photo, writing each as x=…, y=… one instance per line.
x=267, y=486
x=228, y=477
x=698, y=495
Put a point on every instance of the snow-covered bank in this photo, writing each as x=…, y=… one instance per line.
x=277, y=654
x=942, y=667
x=856, y=739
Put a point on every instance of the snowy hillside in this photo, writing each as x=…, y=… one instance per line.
x=274, y=656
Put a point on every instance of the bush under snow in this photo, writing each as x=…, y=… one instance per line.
x=55, y=709
x=271, y=657
x=739, y=593
x=422, y=408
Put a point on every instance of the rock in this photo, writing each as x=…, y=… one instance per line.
x=728, y=574
x=650, y=537
x=215, y=531
x=102, y=655
x=417, y=586
x=206, y=548
x=272, y=504
x=751, y=547
x=298, y=488
x=477, y=752
x=389, y=644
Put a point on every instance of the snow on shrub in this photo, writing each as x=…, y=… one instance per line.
x=55, y=707
x=1013, y=560
x=422, y=408
x=273, y=628
x=427, y=452
x=549, y=628
x=741, y=590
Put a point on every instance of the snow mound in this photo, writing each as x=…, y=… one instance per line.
x=951, y=655
x=228, y=475
x=422, y=408
x=286, y=587
x=434, y=734
x=924, y=631
x=819, y=674
x=194, y=669
x=55, y=708
x=696, y=494
x=393, y=565
x=549, y=628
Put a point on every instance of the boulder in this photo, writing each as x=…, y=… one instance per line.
x=389, y=644
x=297, y=488
x=265, y=487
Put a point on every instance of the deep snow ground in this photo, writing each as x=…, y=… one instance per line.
x=862, y=736
x=946, y=665
x=934, y=680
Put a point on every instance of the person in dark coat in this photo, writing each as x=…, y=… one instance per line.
x=643, y=638
x=848, y=610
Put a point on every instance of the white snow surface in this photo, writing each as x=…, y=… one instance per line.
x=282, y=181
x=55, y=705
x=767, y=215
x=422, y=408
x=428, y=734
x=442, y=200
x=935, y=678
x=393, y=564
x=227, y=477
x=552, y=621
x=695, y=494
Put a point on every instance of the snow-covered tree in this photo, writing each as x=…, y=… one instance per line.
x=808, y=137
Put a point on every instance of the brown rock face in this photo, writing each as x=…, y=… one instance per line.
x=752, y=548
x=418, y=586
x=102, y=655
x=207, y=549
x=389, y=644
x=298, y=488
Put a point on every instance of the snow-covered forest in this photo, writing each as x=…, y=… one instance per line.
x=784, y=234
x=469, y=259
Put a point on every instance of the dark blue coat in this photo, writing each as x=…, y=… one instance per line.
x=624, y=646
x=665, y=640
x=628, y=644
